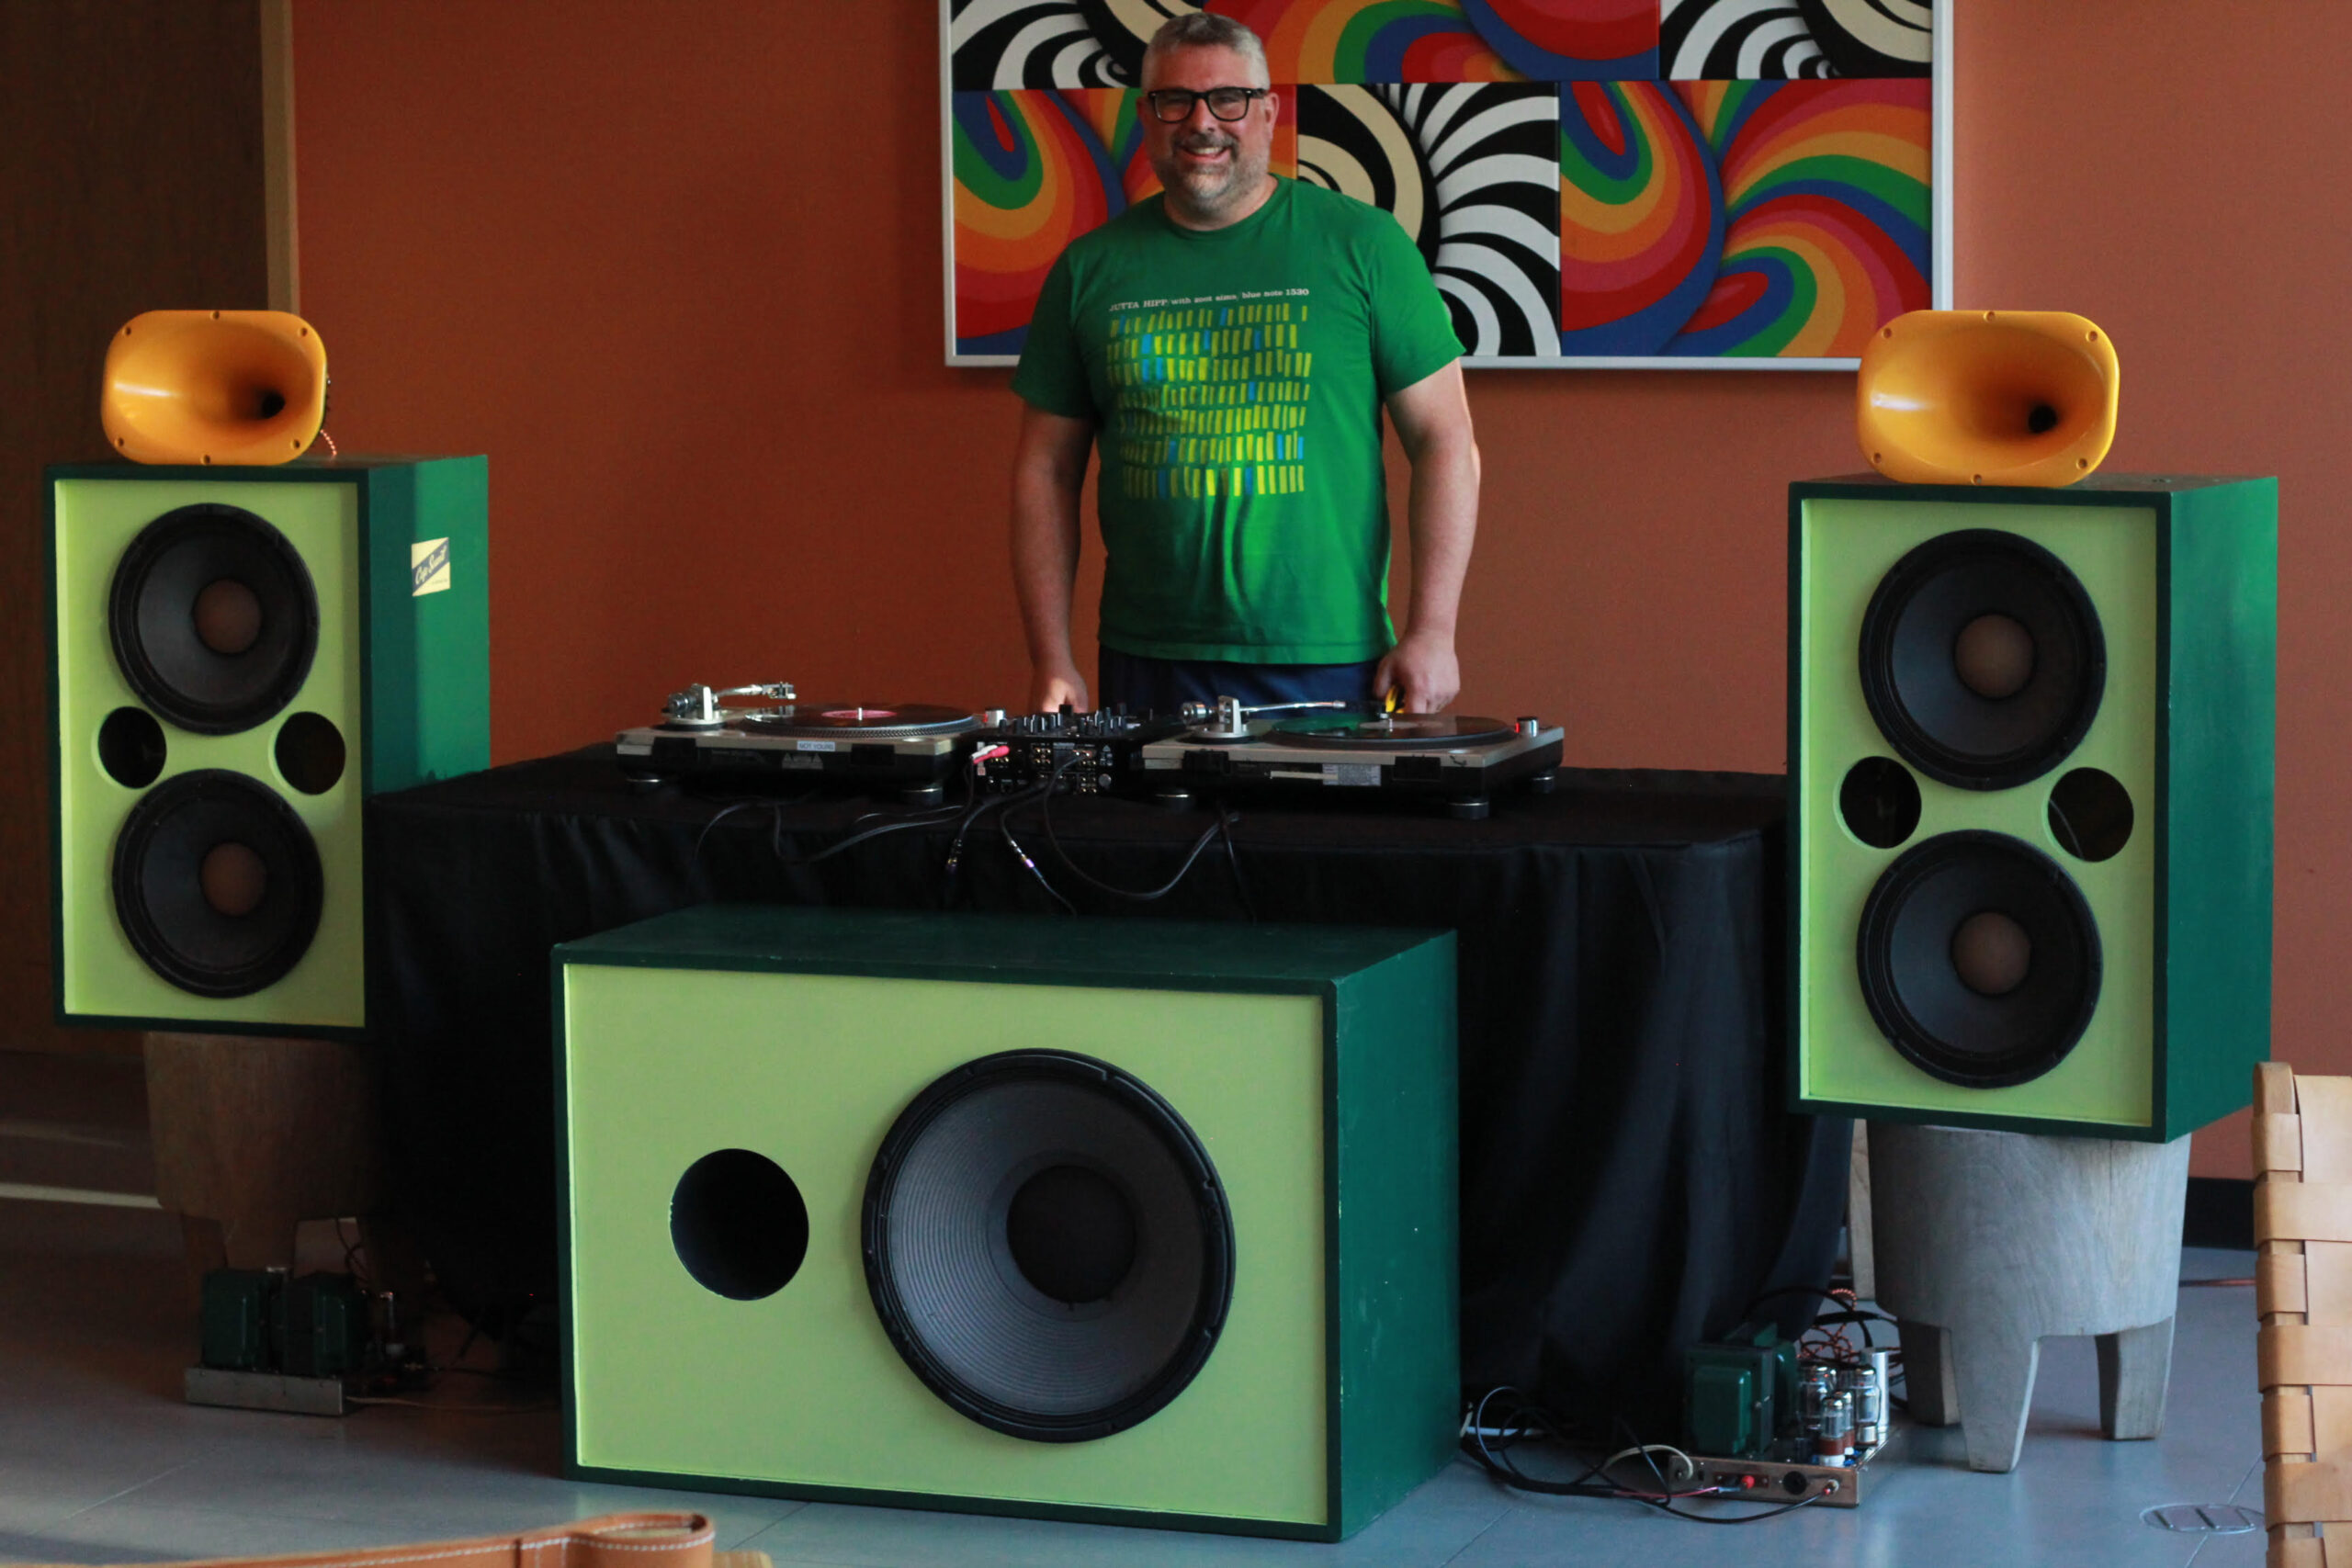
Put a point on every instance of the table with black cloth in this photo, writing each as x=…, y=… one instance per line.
x=1631, y=1180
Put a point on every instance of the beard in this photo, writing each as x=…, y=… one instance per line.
x=1209, y=193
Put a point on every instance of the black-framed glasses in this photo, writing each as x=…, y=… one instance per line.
x=1173, y=106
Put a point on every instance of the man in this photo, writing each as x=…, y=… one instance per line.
x=1231, y=344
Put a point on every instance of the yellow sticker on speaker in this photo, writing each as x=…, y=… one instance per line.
x=429, y=566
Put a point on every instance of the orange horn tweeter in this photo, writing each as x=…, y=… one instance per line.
x=1986, y=397
x=218, y=387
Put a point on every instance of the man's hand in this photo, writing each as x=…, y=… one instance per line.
x=1422, y=672
x=1049, y=689
x=1048, y=466
x=1432, y=420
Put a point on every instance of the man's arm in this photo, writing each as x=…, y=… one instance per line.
x=1432, y=420
x=1049, y=469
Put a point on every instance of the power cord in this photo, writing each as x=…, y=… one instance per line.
x=1488, y=1446
x=1223, y=825
x=922, y=816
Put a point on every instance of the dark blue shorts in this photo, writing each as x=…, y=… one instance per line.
x=1164, y=685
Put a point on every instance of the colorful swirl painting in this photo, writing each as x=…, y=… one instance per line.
x=1711, y=40
x=1571, y=40
x=1489, y=152
x=1026, y=43
x=1032, y=173
x=1368, y=41
x=1640, y=218
x=1113, y=118
x=1718, y=181
x=1825, y=193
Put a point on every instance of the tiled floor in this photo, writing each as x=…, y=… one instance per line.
x=101, y=1463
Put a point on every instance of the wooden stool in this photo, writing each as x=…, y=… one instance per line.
x=1986, y=1241
x=252, y=1135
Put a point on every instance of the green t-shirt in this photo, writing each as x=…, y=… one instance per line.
x=1235, y=377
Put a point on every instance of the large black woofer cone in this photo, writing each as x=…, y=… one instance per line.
x=1982, y=660
x=1916, y=932
x=217, y=884
x=213, y=618
x=1047, y=1245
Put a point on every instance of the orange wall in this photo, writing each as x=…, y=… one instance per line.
x=682, y=281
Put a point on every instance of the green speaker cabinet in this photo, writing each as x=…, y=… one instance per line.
x=238, y=656
x=1128, y=1221
x=2030, y=741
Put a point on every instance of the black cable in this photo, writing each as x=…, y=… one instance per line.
x=350, y=1256
x=1773, y=1513
x=972, y=814
x=1004, y=830
x=929, y=818
x=1225, y=821
x=923, y=816
x=1495, y=1462
x=1044, y=813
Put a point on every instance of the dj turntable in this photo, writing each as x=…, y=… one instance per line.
x=911, y=748
x=1448, y=757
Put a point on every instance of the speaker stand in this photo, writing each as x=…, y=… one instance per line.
x=1987, y=1241
x=254, y=1134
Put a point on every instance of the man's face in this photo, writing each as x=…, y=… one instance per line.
x=1208, y=165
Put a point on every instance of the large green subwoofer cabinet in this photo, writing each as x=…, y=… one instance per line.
x=239, y=657
x=1132, y=1221
x=2031, y=743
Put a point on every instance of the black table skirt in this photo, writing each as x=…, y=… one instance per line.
x=1630, y=1181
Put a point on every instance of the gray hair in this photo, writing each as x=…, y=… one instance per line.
x=1206, y=30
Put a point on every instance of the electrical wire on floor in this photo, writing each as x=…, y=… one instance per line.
x=1491, y=1431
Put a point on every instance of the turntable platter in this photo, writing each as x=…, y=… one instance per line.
x=821, y=718
x=1397, y=732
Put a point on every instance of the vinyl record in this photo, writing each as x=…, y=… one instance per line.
x=217, y=884
x=213, y=618
x=1395, y=732
x=1979, y=959
x=1047, y=1245
x=1981, y=659
x=879, y=719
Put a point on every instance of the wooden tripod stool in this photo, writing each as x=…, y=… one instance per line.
x=253, y=1135
x=1987, y=1241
